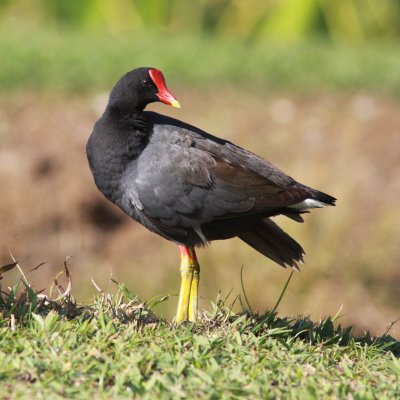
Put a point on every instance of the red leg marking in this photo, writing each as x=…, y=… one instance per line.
x=188, y=252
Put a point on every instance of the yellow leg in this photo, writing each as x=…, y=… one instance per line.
x=194, y=290
x=190, y=272
x=186, y=283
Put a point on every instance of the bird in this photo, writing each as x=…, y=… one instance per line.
x=188, y=186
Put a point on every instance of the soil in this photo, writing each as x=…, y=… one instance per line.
x=347, y=146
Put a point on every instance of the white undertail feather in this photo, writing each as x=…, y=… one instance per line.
x=308, y=203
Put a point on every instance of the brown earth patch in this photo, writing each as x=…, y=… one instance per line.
x=345, y=145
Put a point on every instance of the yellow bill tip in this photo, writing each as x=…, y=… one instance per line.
x=175, y=103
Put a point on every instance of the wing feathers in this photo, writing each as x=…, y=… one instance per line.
x=271, y=241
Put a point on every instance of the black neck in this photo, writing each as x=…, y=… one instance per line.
x=126, y=117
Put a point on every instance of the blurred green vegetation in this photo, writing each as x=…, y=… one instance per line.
x=75, y=61
x=306, y=46
x=249, y=19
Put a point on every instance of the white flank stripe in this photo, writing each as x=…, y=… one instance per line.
x=198, y=230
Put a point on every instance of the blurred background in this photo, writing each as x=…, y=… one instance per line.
x=313, y=86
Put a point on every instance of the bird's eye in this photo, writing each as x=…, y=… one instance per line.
x=146, y=83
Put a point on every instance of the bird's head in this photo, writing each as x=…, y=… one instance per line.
x=142, y=86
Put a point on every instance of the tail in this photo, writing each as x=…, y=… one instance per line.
x=268, y=239
x=324, y=198
x=315, y=199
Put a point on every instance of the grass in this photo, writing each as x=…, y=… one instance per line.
x=116, y=348
x=71, y=61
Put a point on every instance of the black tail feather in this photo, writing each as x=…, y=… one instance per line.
x=323, y=197
x=271, y=241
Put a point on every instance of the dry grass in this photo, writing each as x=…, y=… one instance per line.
x=345, y=145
